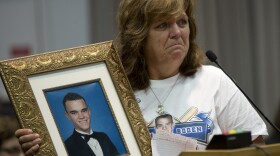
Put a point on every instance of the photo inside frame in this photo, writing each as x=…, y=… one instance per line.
x=101, y=117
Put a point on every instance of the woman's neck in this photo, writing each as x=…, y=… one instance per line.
x=162, y=72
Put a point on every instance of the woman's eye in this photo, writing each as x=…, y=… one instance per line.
x=182, y=22
x=162, y=26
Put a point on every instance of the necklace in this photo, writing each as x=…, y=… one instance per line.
x=160, y=107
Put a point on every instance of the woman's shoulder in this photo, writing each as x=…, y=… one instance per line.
x=210, y=68
x=209, y=71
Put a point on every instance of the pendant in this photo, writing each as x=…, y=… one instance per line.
x=160, y=109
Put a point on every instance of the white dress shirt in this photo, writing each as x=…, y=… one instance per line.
x=93, y=144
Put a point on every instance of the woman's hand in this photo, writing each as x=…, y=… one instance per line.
x=28, y=140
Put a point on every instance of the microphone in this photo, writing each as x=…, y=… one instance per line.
x=213, y=58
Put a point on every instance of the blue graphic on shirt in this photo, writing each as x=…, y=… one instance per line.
x=198, y=130
x=205, y=118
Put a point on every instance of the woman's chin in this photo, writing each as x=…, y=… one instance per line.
x=177, y=49
x=178, y=53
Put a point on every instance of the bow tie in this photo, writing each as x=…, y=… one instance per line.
x=87, y=137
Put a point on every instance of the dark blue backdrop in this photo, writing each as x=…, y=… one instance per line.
x=101, y=115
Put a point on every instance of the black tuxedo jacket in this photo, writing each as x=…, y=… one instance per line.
x=77, y=146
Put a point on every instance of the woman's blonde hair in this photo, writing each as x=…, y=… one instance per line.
x=134, y=20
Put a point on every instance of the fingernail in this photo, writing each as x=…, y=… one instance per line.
x=36, y=146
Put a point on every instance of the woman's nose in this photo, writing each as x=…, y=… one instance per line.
x=175, y=31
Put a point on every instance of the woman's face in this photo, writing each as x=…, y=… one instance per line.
x=167, y=42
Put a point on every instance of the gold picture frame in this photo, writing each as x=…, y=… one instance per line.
x=27, y=79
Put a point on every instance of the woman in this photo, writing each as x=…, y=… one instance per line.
x=157, y=47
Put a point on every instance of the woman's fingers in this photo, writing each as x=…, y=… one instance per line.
x=29, y=141
x=22, y=132
x=32, y=150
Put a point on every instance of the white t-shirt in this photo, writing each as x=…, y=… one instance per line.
x=202, y=105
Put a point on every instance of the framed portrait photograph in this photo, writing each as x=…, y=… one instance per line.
x=68, y=94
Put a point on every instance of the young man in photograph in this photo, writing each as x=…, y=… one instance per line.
x=84, y=141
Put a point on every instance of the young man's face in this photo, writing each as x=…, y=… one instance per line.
x=79, y=114
x=164, y=124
